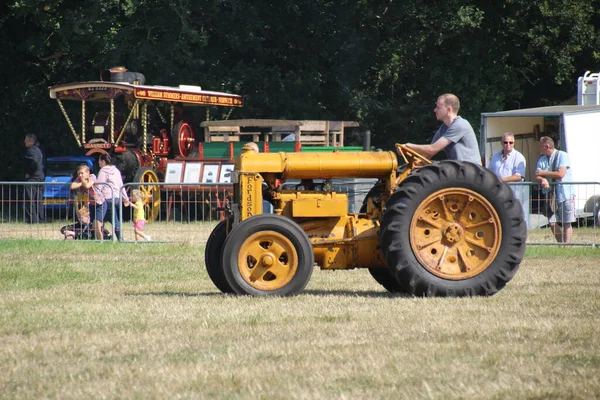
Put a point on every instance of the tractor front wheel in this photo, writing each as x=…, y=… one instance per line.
x=453, y=229
x=267, y=255
x=212, y=257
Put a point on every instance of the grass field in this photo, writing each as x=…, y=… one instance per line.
x=104, y=320
x=196, y=232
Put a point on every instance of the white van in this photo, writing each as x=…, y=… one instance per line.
x=575, y=129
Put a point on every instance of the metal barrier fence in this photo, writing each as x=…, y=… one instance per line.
x=537, y=210
x=177, y=213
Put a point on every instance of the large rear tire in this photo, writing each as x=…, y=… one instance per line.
x=384, y=277
x=212, y=257
x=453, y=229
x=267, y=255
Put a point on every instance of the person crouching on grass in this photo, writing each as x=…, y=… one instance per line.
x=139, y=217
x=80, y=230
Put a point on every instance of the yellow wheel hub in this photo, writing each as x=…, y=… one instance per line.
x=455, y=233
x=151, y=194
x=267, y=260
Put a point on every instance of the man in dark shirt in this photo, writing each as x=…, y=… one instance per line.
x=34, y=172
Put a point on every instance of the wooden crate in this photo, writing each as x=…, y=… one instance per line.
x=307, y=132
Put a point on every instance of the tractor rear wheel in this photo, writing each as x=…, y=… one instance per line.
x=268, y=255
x=212, y=257
x=384, y=277
x=151, y=193
x=453, y=229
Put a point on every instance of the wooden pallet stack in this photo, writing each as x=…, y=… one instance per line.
x=307, y=132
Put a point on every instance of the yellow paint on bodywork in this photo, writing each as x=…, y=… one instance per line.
x=346, y=242
x=340, y=240
x=318, y=165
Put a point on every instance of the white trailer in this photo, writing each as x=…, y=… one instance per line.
x=575, y=129
x=588, y=89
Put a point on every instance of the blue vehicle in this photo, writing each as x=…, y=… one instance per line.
x=59, y=174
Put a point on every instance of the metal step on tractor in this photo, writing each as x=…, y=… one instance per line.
x=425, y=228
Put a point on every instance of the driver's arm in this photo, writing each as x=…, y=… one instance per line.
x=429, y=150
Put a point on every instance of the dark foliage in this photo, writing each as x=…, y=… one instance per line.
x=380, y=63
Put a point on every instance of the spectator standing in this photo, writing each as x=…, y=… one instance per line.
x=508, y=164
x=113, y=192
x=455, y=136
x=84, y=182
x=34, y=172
x=139, y=215
x=553, y=169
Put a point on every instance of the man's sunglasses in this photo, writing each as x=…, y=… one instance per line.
x=508, y=142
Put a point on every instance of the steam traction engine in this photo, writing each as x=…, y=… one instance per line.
x=142, y=127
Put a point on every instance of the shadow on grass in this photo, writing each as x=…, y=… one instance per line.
x=182, y=294
x=340, y=293
x=353, y=293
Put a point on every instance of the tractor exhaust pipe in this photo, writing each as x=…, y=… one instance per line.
x=367, y=140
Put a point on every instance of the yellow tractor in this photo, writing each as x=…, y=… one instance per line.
x=425, y=228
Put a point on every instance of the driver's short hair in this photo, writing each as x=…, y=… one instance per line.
x=451, y=100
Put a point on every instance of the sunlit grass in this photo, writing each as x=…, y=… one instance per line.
x=103, y=320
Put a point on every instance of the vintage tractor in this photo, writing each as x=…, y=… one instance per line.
x=427, y=228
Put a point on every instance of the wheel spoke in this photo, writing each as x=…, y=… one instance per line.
x=463, y=212
x=478, y=224
x=424, y=244
x=476, y=243
x=467, y=256
x=278, y=269
x=277, y=250
x=256, y=250
x=258, y=271
x=447, y=212
x=442, y=257
x=430, y=222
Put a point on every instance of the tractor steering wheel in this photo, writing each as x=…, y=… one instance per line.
x=407, y=153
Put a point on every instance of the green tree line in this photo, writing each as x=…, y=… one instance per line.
x=379, y=62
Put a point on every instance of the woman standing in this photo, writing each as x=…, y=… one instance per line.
x=111, y=184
